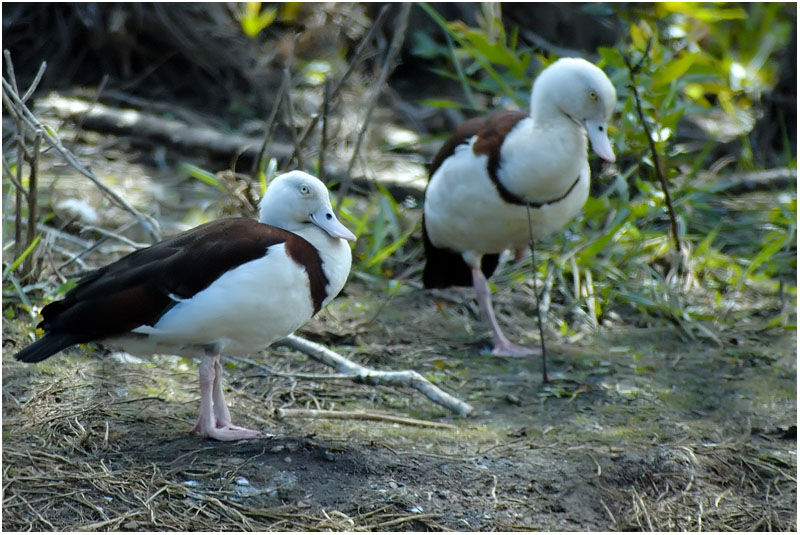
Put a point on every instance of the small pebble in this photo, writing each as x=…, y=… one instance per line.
x=392, y=485
x=242, y=481
x=287, y=459
x=415, y=509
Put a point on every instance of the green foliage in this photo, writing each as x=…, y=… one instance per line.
x=383, y=233
x=16, y=263
x=492, y=61
x=693, y=65
x=254, y=19
x=206, y=177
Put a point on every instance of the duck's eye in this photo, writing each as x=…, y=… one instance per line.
x=593, y=95
x=304, y=189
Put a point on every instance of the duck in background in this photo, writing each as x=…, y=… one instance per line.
x=502, y=180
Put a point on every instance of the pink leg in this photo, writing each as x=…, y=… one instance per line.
x=502, y=346
x=221, y=411
x=215, y=419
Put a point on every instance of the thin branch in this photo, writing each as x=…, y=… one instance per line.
x=30, y=119
x=18, y=245
x=323, y=144
x=35, y=83
x=33, y=164
x=92, y=104
x=388, y=67
x=288, y=103
x=9, y=174
x=357, y=415
x=673, y=218
x=542, y=344
x=376, y=24
x=259, y=162
x=289, y=109
x=12, y=77
x=408, y=378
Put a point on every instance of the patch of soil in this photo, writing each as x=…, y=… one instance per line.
x=615, y=442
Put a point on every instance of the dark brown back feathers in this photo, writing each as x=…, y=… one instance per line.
x=136, y=289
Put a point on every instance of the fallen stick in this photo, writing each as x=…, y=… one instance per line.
x=357, y=415
x=185, y=137
x=365, y=375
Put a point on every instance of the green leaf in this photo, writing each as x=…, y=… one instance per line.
x=254, y=20
x=768, y=251
x=673, y=70
x=386, y=251
x=206, y=177
x=425, y=47
x=705, y=246
x=16, y=263
x=441, y=103
x=704, y=12
x=496, y=52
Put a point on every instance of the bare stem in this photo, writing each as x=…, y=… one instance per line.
x=32, y=122
x=323, y=144
x=357, y=56
x=33, y=163
x=673, y=218
x=259, y=165
x=388, y=67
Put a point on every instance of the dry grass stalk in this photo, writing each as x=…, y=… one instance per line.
x=358, y=415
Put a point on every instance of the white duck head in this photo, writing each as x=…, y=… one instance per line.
x=583, y=93
x=295, y=200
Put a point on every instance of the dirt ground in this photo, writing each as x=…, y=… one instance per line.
x=639, y=429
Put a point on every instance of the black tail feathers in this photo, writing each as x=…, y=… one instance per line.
x=48, y=345
x=444, y=267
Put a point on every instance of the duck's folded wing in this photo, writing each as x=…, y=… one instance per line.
x=139, y=288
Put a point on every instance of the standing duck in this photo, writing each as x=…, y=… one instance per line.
x=493, y=169
x=233, y=285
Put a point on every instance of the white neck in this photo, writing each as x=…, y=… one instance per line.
x=543, y=155
x=336, y=257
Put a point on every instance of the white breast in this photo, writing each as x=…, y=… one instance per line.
x=244, y=310
x=465, y=213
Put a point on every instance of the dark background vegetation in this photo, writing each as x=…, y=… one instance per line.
x=673, y=404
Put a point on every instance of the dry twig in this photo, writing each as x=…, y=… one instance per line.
x=357, y=415
x=357, y=56
x=673, y=218
x=362, y=374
